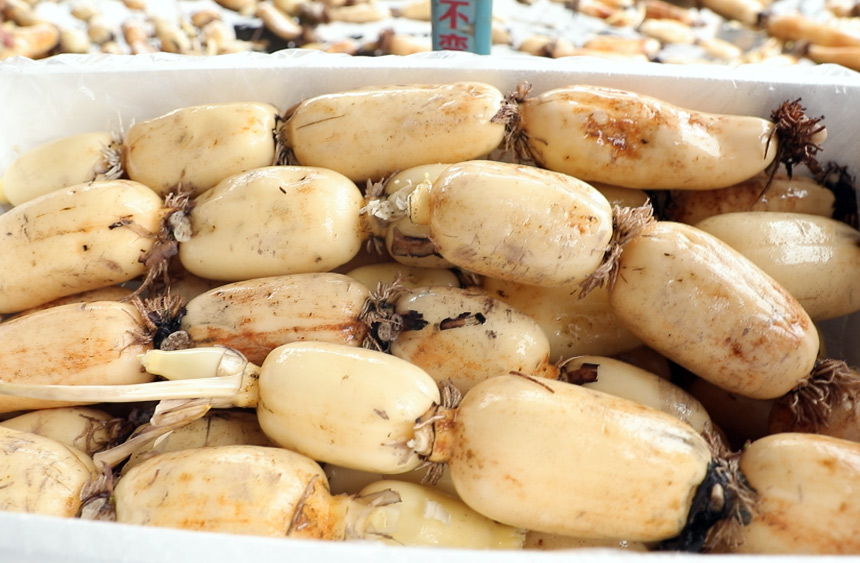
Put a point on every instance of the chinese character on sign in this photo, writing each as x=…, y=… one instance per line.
x=462, y=25
x=452, y=42
x=451, y=14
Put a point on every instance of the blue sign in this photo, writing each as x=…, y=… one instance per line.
x=462, y=25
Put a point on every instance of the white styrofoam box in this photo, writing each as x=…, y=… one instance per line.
x=68, y=94
x=28, y=538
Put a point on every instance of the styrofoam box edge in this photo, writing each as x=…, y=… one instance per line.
x=28, y=538
x=71, y=94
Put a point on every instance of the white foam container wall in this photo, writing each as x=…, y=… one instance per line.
x=68, y=94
